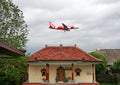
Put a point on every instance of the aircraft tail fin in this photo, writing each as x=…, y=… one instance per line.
x=51, y=25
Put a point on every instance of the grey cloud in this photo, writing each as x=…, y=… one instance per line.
x=98, y=22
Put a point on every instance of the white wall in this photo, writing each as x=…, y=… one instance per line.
x=35, y=73
x=85, y=75
x=36, y=76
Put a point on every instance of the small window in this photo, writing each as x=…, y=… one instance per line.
x=43, y=72
x=77, y=71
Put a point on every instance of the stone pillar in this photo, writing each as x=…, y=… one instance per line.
x=47, y=72
x=72, y=71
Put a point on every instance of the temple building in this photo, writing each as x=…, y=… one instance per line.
x=61, y=65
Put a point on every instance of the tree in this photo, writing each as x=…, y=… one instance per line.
x=101, y=67
x=12, y=70
x=13, y=28
x=116, y=72
x=116, y=65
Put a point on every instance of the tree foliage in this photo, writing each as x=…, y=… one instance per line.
x=13, y=28
x=12, y=70
x=101, y=67
x=116, y=65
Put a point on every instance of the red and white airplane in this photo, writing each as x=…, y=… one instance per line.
x=63, y=27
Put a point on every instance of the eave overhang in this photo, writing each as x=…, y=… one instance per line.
x=62, y=62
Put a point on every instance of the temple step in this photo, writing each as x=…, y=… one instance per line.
x=63, y=84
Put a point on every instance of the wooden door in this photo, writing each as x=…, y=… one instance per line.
x=61, y=73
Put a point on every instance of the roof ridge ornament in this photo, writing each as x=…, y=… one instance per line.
x=61, y=45
x=75, y=45
x=46, y=45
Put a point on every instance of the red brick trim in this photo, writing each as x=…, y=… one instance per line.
x=60, y=84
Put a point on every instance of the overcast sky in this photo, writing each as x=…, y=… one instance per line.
x=98, y=21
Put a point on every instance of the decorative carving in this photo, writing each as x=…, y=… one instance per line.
x=77, y=71
x=44, y=79
x=43, y=72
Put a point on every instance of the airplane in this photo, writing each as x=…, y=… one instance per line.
x=63, y=27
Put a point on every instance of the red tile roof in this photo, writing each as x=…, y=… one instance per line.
x=62, y=53
x=8, y=47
